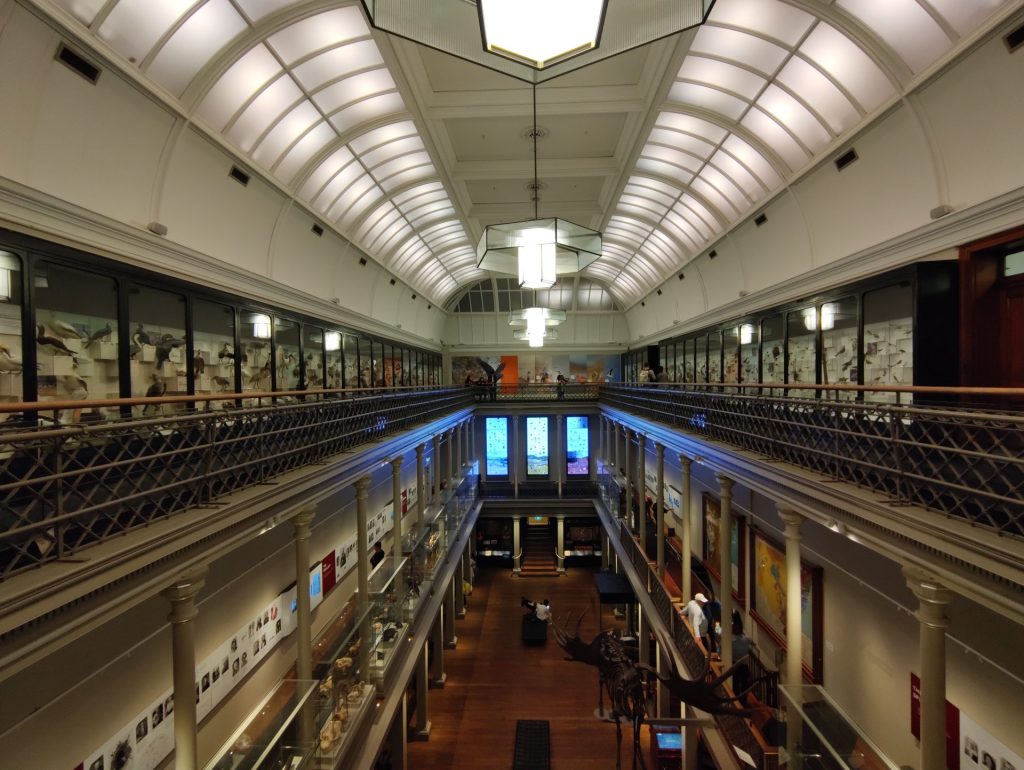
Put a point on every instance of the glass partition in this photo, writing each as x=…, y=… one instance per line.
x=313, y=357
x=11, y=366
x=287, y=355
x=577, y=446
x=801, y=333
x=748, y=353
x=689, y=372
x=888, y=339
x=365, y=367
x=377, y=366
x=537, y=446
x=701, y=359
x=773, y=346
x=350, y=349
x=213, y=343
x=333, y=360
x=158, y=349
x=254, y=335
x=496, y=446
x=731, y=354
x=715, y=357
x=839, y=344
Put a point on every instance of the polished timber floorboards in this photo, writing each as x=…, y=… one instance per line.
x=493, y=680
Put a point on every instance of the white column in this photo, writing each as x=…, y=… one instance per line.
x=420, y=491
x=794, y=637
x=362, y=575
x=628, y=473
x=396, y=496
x=460, y=593
x=303, y=619
x=687, y=534
x=725, y=546
x=437, y=675
x=561, y=544
x=450, y=471
x=397, y=736
x=605, y=550
x=182, y=596
x=559, y=457
x=643, y=637
x=662, y=664
x=422, y=703
x=660, y=519
x=515, y=546
x=513, y=461
x=641, y=485
x=472, y=440
x=436, y=466
x=450, y=639
x=932, y=598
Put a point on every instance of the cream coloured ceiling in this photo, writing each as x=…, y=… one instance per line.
x=410, y=153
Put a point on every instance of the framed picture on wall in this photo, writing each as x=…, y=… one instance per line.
x=711, y=549
x=768, y=604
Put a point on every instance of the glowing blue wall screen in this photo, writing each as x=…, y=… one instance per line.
x=496, y=429
x=577, y=446
x=536, y=446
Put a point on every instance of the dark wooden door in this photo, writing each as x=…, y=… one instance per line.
x=1011, y=327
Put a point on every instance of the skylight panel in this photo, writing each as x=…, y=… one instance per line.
x=772, y=134
x=655, y=185
x=691, y=125
x=794, y=116
x=654, y=197
x=752, y=159
x=266, y=108
x=905, y=26
x=404, y=178
x=815, y=89
x=667, y=244
x=731, y=45
x=964, y=16
x=358, y=197
x=325, y=30
x=391, y=150
x=714, y=198
x=841, y=58
x=367, y=110
x=287, y=130
x=324, y=172
x=341, y=181
x=133, y=27
x=768, y=17
x=194, y=44
x=680, y=141
x=257, y=9
x=83, y=10
x=664, y=169
x=380, y=217
x=655, y=209
x=303, y=151
x=697, y=214
x=737, y=174
x=353, y=89
x=681, y=230
x=430, y=191
x=429, y=212
x=707, y=98
x=380, y=136
x=338, y=63
x=243, y=79
x=726, y=76
x=726, y=187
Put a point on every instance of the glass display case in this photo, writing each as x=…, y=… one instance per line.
x=773, y=350
x=11, y=353
x=701, y=359
x=287, y=355
x=213, y=343
x=801, y=336
x=748, y=352
x=334, y=360
x=312, y=357
x=350, y=349
x=889, y=338
x=689, y=356
x=254, y=334
x=838, y=321
x=731, y=354
x=715, y=357
x=158, y=351
x=582, y=539
x=365, y=365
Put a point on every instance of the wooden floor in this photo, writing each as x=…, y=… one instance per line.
x=493, y=680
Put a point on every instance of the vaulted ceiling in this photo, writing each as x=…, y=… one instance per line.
x=410, y=153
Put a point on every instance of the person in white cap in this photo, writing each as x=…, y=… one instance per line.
x=694, y=611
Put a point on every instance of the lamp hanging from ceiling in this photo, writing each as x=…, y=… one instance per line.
x=539, y=33
x=537, y=250
x=538, y=323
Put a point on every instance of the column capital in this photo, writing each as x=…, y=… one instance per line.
x=420, y=451
x=182, y=593
x=792, y=520
x=724, y=483
x=660, y=449
x=641, y=438
x=303, y=519
x=396, y=463
x=685, y=462
x=932, y=596
x=362, y=485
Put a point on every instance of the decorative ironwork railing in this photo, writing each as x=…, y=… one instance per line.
x=66, y=487
x=528, y=391
x=961, y=461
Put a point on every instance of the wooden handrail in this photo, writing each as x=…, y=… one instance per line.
x=952, y=390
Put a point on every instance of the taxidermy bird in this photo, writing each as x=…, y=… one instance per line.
x=260, y=374
x=76, y=387
x=99, y=334
x=52, y=345
x=199, y=365
x=226, y=352
x=8, y=362
x=141, y=337
x=164, y=347
x=157, y=389
x=64, y=330
x=223, y=383
x=494, y=375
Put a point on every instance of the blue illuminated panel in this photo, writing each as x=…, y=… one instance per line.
x=497, y=446
x=536, y=446
x=577, y=446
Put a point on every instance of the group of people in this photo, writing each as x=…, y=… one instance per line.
x=540, y=610
x=649, y=376
x=705, y=616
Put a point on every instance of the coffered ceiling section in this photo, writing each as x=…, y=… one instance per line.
x=301, y=90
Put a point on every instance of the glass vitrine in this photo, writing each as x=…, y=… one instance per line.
x=158, y=349
x=11, y=353
x=213, y=343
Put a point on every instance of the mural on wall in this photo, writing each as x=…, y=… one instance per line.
x=540, y=368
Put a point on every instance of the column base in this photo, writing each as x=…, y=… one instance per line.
x=438, y=684
x=422, y=735
x=561, y=570
x=461, y=613
x=450, y=644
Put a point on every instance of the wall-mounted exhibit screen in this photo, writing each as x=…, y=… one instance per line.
x=536, y=446
x=497, y=446
x=577, y=446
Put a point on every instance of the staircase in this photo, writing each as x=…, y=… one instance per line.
x=538, y=553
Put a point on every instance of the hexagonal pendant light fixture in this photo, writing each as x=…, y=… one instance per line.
x=539, y=33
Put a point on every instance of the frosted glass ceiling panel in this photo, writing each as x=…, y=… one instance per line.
x=362, y=191
x=383, y=135
x=407, y=177
x=257, y=9
x=639, y=211
x=692, y=125
x=794, y=116
x=331, y=165
x=752, y=159
x=653, y=196
x=705, y=221
x=288, y=129
x=367, y=110
x=675, y=157
x=664, y=169
x=679, y=141
x=682, y=231
x=666, y=243
x=348, y=176
x=133, y=27
x=391, y=150
x=768, y=17
x=83, y=10
x=905, y=26
x=849, y=65
x=714, y=198
x=324, y=30
x=264, y=110
x=726, y=76
x=428, y=191
x=772, y=134
x=245, y=77
x=302, y=151
x=338, y=63
x=737, y=173
x=965, y=16
x=378, y=219
x=656, y=185
x=205, y=32
x=726, y=186
x=820, y=92
x=740, y=47
x=352, y=89
x=707, y=98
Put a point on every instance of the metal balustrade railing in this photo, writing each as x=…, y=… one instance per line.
x=64, y=487
x=961, y=461
x=530, y=391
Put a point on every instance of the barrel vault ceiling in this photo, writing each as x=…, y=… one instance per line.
x=410, y=153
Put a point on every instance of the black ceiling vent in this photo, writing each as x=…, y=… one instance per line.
x=318, y=231
x=392, y=281
x=659, y=292
x=239, y=176
x=681, y=276
x=760, y=219
x=643, y=304
x=362, y=261
x=414, y=296
x=429, y=306
x=1015, y=39
x=70, y=59
x=712, y=254
x=846, y=159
